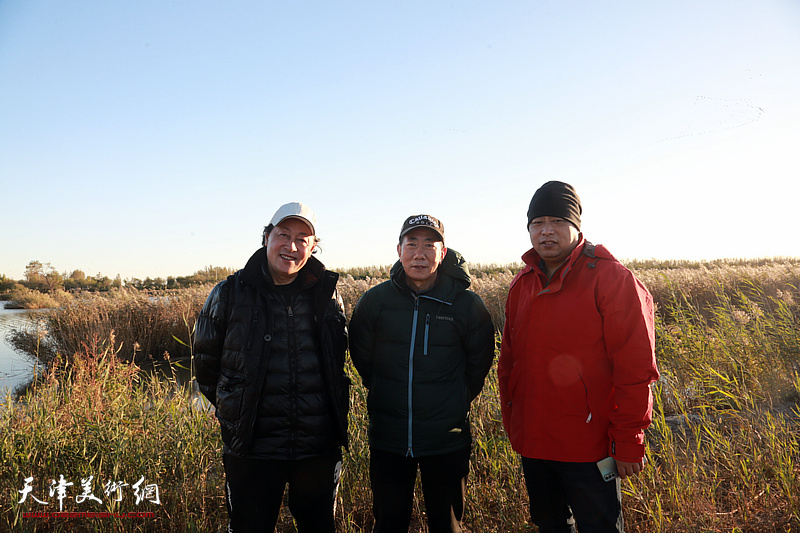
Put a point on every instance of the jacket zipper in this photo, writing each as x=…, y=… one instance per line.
x=410, y=450
x=427, y=330
x=292, y=377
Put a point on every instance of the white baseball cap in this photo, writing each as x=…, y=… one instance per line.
x=295, y=210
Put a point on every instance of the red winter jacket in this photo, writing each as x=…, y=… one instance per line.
x=577, y=359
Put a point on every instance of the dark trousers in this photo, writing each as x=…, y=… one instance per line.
x=254, y=492
x=563, y=495
x=444, y=485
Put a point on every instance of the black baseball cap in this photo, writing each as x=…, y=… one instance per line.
x=422, y=221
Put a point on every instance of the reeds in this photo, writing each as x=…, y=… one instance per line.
x=100, y=417
x=724, y=447
x=725, y=440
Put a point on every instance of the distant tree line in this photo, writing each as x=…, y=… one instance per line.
x=42, y=277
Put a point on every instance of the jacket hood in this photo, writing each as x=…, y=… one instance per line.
x=453, y=266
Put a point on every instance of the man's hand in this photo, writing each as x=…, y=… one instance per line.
x=629, y=469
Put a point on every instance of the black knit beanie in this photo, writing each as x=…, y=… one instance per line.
x=556, y=199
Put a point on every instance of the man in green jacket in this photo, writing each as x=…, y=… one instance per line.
x=423, y=344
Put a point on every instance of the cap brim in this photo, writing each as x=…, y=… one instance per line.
x=436, y=231
x=301, y=219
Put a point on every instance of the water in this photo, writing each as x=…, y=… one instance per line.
x=15, y=368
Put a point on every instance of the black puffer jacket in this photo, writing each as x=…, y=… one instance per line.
x=423, y=358
x=275, y=372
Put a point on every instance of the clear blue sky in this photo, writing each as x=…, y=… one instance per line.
x=155, y=137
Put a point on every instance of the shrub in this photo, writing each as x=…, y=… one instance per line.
x=21, y=297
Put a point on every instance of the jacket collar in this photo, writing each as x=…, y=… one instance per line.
x=256, y=271
x=534, y=262
x=453, y=276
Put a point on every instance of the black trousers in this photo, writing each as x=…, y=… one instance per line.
x=563, y=495
x=444, y=485
x=254, y=492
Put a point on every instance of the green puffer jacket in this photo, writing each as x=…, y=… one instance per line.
x=423, y=358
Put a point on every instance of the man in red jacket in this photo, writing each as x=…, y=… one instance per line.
x=575, y=368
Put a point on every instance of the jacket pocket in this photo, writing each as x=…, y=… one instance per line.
x=230, y=391
x=580, y=397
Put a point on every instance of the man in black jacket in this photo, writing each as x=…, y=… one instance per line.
x=269, y=347
x=423, y=344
